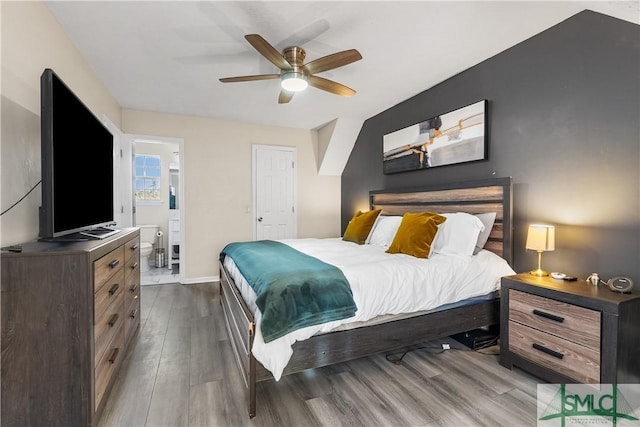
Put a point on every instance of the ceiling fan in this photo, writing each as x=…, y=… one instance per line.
x=294, y=74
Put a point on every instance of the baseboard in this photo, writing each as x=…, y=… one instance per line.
x=194, y=280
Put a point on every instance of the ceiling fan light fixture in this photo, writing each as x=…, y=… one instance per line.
x=294, y=81
x=293, y=73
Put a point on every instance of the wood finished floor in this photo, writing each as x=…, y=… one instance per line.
x=181, y=372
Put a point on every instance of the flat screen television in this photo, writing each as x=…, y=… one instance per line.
x=77, y=166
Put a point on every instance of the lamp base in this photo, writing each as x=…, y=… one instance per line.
x=539, y=273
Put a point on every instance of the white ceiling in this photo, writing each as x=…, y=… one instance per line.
x=167, y=56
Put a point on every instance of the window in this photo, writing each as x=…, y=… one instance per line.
x=147, y=171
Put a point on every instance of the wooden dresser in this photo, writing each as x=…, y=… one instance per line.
x=567, y=332
x=69, y=313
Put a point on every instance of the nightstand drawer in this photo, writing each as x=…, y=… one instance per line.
x=571, y=322
x=565, y=357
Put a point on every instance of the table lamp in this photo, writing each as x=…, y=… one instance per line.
x=541, y=238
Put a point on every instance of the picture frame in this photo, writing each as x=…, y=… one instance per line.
x=459, y=136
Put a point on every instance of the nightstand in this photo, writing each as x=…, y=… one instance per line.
x=568, y=332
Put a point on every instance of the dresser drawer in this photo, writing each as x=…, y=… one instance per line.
x=568, y=358
x=577, y=324
x=132, y=291
x=106, y=266
x=132, y=249
x=131, y=321
x=108, y=293
x=107, y=325
x=132, y=304
x=132, y=269
x=132, y=284
x=108, y=364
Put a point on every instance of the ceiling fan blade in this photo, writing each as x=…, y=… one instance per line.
x=268, y=51
x=330, y=86
x=332, y=61
x=285, y=96
x=249, y=78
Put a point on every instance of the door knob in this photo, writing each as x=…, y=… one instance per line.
x=259, y=219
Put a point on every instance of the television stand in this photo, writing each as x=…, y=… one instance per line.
x=99, y=232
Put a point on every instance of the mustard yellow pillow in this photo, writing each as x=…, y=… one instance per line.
x=416, y=233
x=360, y=226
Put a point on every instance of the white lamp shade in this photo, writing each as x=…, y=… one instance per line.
x=541, y=237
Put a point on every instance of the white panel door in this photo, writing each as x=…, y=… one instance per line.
x=274, y=184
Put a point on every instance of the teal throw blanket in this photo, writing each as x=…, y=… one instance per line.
x=294, y=290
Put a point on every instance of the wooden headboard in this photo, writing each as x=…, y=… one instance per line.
x=481, y=196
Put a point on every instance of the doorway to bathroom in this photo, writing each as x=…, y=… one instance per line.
x=158, y=207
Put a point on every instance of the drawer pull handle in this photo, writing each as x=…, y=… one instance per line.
x=113, y=320
x=113, y=263
x=114, y=355
x=547, y=351
x=134, y=265
x=134, y=246
x=548, y=316
x=133, y=314
x=133, y=288
x=114, y=289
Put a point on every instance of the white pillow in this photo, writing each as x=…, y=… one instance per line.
x=487, y=220
x=458, y=234
x=384, y=230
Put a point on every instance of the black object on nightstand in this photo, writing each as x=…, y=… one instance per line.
x=567, y=332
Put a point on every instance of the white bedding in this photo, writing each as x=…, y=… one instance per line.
x=381, y=284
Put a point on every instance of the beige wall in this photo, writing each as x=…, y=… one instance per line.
x=217, y=153
x=217, y=181
x=31, y=41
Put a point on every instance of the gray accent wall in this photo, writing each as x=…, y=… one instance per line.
x=564, y=123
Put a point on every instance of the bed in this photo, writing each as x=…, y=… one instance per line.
x=474, y=197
